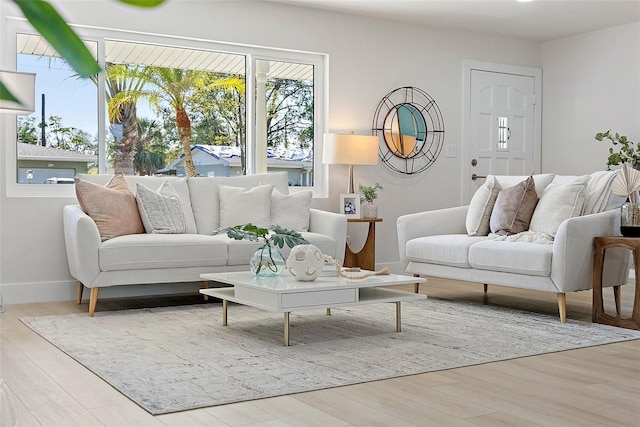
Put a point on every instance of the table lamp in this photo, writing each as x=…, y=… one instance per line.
x=344, y=149
x=23, y=87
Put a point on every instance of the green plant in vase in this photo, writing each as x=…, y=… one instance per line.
x=369, y=194
x=267, y=260
x=628, y=153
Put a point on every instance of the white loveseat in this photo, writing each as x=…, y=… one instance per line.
x=171, y=258
x=438, y=243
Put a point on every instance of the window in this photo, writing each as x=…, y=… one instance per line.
x=284, y=119
x=159, y=94
x=60, y=138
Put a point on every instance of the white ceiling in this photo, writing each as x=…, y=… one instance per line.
x=538, y=20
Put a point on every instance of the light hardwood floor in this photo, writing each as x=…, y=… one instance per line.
x=596, y=386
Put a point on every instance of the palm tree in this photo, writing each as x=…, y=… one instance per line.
x=176, y=87
x=150, y=148
x=124, y=87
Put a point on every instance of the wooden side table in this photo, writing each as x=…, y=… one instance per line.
x=600, y=245
x=366, y=258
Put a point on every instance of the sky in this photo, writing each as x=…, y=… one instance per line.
x=66, y=95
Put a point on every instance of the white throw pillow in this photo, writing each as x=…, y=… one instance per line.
x=291, y=210
x=161, y=211
x=480, y=207
x=239, y=206
x=558, y=203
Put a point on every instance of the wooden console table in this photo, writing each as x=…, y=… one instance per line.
x=366, y=258
x=600, y=245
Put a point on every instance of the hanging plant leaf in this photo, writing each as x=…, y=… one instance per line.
x=6, y=95
x=143, y=3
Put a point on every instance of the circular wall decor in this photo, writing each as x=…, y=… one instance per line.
x=412, y=130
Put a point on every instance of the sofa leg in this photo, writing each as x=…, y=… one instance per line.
x=93, y=299
x=80, y=289
x=416, y=286
x=486, y=287
x=616, y=297
x=562, y=306
x=205, y=285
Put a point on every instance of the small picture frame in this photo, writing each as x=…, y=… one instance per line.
x=350, y=205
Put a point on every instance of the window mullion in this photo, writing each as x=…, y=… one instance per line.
x=102, y=106
x=250, y=146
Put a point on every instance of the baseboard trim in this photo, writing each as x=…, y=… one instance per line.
x=27, y=293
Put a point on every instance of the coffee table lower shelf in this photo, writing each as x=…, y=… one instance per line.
x=363, y=296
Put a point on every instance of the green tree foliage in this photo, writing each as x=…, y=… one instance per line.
x=289, y=113
x=28, y=130
x=150, y=149
x=57, y=135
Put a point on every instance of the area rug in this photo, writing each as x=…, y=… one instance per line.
x=177, y=358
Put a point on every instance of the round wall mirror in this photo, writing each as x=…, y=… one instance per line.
x=412, y=130
x=404, y=130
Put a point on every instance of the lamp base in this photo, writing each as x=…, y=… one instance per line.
x=350, y=188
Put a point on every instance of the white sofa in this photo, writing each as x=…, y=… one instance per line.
x=167, y=258
x=437, y=243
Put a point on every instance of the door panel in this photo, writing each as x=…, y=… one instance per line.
x=501, y=126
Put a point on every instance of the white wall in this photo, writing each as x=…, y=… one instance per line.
x=368, y=59
x=591, y=83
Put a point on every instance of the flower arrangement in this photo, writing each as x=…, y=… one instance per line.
x=267, y=256
x=628, y=152
x=370, y=193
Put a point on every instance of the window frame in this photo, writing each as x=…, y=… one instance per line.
x=320, y=61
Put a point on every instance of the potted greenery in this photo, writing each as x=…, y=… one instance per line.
x=369, y=194
x=628, y=152
x=267, y=260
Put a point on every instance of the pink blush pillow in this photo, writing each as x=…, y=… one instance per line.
x=514, y=208
x=112, y=207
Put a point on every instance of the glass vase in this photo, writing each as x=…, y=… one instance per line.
x=630, y=219
x=267, y=261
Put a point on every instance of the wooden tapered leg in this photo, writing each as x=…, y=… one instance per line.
x=80, y=289
x=93, y=299
x=562, y=306
x=486, y=287
x=416, y=286
x=205, y=285
x=616, y=297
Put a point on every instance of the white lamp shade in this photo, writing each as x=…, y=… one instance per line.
x=350, y=149
x=23, y=87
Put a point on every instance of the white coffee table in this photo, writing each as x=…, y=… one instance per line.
x=284, y=294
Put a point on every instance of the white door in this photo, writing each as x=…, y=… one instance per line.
x=502, y=135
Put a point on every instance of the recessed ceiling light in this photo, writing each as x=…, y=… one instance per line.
x=524, y=1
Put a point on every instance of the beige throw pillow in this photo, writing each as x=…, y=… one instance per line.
x=513, y=208
x=291, y=211
x=558, y=203
x=481, y=206
x=112, y=207
x=161, y=211
x=240, y=206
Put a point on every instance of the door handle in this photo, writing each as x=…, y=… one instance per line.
x=474, y=177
